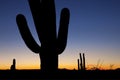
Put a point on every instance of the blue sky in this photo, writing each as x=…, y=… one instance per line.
x=94, y=29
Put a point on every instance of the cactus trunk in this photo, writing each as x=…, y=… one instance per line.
x=49, y=62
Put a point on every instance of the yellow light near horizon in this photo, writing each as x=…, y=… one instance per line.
x=28, y=67
x=70, y=67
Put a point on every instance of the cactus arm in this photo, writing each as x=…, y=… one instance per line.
x=43, y=13
x=35, y=8
x=63, y=30
x=26, y=35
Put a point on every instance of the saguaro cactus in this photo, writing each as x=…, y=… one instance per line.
x=81, y=62
x=81, y=65
x=44, y=16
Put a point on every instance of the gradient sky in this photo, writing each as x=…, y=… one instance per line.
x=94, y=29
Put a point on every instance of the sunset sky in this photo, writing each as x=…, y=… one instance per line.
x=94, y=29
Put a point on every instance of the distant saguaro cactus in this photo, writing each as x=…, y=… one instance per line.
x=13, y=66
x=81, y=64
x=44, y=16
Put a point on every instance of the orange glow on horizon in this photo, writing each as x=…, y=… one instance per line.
x=70, y=67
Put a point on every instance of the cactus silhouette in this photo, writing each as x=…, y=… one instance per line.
x=44, y=16
x=81, y=62
x=78, y=64
x=13, y=66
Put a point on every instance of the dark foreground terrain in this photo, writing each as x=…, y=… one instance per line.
x=60, y=75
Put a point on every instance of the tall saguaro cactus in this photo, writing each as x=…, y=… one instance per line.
x=44, y=16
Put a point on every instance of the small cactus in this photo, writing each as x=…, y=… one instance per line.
x=44, y=16
x=13, y=66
